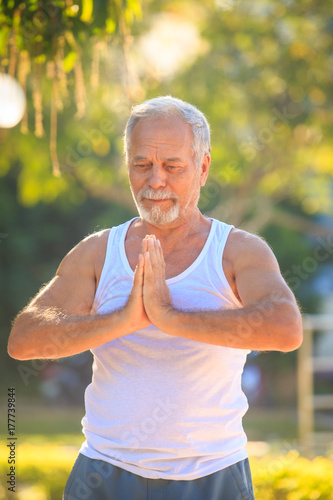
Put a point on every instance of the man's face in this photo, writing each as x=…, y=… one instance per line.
x=164, y=178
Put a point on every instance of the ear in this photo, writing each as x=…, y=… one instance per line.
x=204, y=169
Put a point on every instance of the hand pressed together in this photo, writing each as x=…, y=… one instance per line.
x=150, y=298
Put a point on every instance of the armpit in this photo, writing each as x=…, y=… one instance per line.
x=230, y=275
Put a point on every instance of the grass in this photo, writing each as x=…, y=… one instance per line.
x=270, y=424
x=32, y=417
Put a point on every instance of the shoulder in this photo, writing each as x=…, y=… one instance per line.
x=88, y=255
x=239, y=240
x=244, y=249
x=91, y=244
x=95, y=242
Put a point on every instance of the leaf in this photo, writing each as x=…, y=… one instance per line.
x=69, y=61
x=135, y=7
x=4, y=32
x=40, y=59
x=87, y=10
x=110, y=25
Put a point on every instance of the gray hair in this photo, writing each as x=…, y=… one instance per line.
x=172, y=107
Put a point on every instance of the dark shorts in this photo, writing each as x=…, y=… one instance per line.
x=98, y=480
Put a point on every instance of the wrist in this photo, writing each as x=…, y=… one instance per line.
x=167, y=319
x=125, y=319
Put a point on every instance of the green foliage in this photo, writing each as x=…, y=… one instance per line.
x=44, y=466
x=263, y=80
x=43, y=41
x=41, y=471
x=37, y=26
x=292, y=477
x=261, y=73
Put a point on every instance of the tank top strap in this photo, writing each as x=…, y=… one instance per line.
x=221, y=236
x=111, y=259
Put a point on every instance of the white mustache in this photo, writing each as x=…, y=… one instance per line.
x=156, y=195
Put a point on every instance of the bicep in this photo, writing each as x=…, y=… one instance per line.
x=72, y=289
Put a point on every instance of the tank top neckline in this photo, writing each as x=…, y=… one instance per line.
x=186, y=271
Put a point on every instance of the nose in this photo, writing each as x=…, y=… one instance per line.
x=157, y=179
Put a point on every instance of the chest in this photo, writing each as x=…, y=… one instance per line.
x=177, y=260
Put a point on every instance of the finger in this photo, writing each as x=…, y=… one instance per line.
x=138, y=273
x=152, y=248
x=148, y=270
x=160, y=259
x=162, y=265
x=144, y=246
x=160, y=251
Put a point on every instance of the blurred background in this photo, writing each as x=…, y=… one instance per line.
x=262, y=73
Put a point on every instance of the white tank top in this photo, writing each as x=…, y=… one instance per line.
x=162, y=406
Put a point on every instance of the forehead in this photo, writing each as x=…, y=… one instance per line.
x=162, y=133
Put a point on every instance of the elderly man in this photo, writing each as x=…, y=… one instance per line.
x=170, y=303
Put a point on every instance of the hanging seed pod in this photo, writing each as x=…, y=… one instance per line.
x=37, y=100
x=80, y=92
x=12, y=55
x=52, y=74
x=60, y=104
x=53, y=130
x=129, y=77
x=50, y=70
x=62, y=76
x=94, y=79
x=22, y=74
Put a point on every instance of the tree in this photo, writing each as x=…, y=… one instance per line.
x=260, y=72
x=47, y=40
x=264, y=83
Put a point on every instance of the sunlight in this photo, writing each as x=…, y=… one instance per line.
x=171, y=44
x=12, y=101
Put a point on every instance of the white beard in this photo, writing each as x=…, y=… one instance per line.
x=158, y=216
x=155, y=215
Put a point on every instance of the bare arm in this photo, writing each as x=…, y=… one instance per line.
x=269, y=319
x=59, y=322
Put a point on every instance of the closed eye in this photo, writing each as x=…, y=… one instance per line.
x=141, y=166
x=176, y=168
